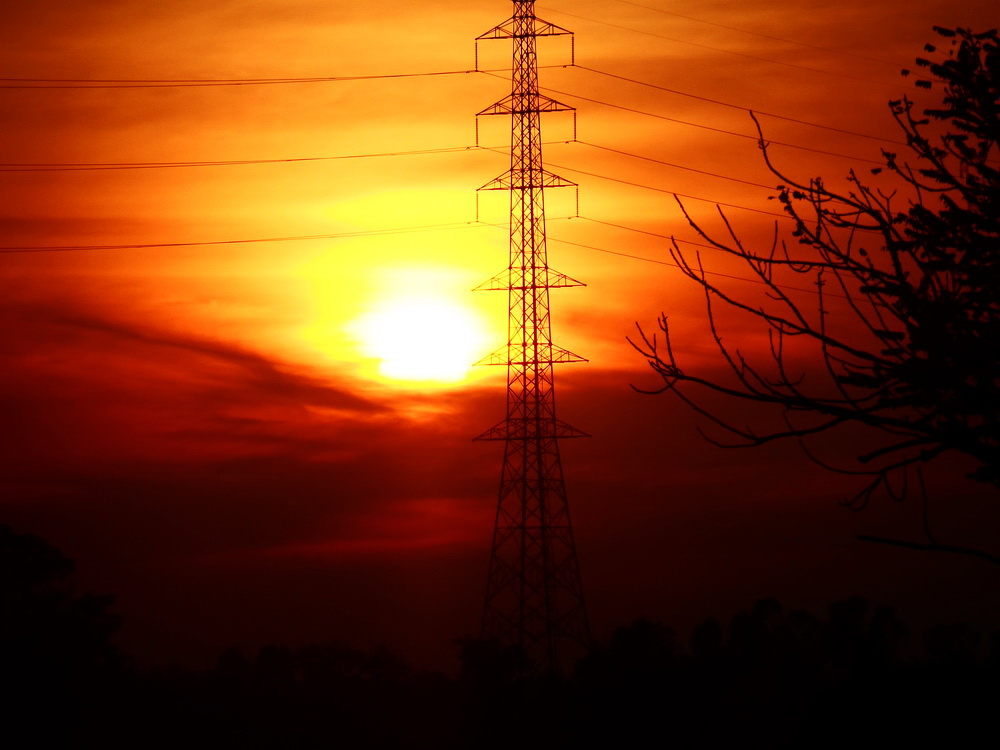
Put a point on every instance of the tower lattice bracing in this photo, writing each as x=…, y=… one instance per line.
x=534, y=597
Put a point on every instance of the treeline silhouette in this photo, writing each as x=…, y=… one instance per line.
x=769, y=678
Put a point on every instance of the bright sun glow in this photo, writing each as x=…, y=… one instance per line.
x=422, y=339
x=402, y=323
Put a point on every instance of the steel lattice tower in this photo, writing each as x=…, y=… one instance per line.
x=534, y=597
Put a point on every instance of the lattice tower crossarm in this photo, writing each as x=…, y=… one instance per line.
x=534, y=596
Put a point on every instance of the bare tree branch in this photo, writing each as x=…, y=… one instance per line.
x=906, y=346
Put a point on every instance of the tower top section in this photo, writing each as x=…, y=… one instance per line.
x=523, y=23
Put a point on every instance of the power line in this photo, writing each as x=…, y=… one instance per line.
x=670, y=263
x=293, y=238
x=656, y=189
x=657, y=235
x=99, y=166
x=670, y=192
x=146, y=83
x=11, y=249
x=644, y=231
x=714, y=129
x=81, y=83
x=132, y=83
x=104, y=166
x=756, y=33
x=675, y=166
x=743, y=109
x=85, y=166
x=616, y=252
x=57, y=83
x=732, y=52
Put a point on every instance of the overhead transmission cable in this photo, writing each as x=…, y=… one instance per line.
x=671, y=164
x=713, y=129
x=205, y=243
x=139, y=83
x=12, y=249
x=82, y=83
x=655, y=261
x=85, y=166
x=665, y=190
x=732, y=52
x=51, y=167
x=756, y=33
x=796, y=120
x=156, y=83
x=651, y=187
x=670, y=263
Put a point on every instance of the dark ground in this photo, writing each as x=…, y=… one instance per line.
x=769, y=678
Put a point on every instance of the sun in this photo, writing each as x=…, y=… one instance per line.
x=424, y=339
x=400, y=324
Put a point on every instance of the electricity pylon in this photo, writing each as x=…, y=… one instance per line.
x=534, y=598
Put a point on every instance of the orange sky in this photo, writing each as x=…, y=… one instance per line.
x=217, y=412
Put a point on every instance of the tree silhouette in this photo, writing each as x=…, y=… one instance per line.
x=902, y=338
x=57, y=663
